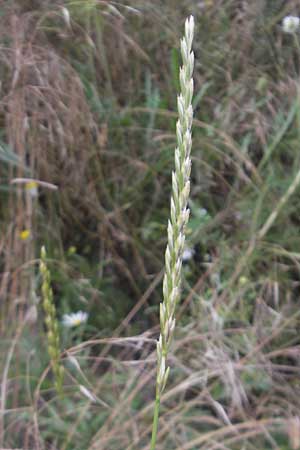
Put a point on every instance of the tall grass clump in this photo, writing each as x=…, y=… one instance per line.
x=179, y=217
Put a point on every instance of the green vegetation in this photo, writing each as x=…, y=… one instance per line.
x=88, y=112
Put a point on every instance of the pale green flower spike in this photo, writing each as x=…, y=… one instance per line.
x=179, y=216
x=51, y=323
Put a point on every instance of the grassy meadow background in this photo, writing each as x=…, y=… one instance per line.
x=88, y=107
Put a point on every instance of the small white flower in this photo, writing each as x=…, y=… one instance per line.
x=74, y=319
x=290, y=24
x=187, y=254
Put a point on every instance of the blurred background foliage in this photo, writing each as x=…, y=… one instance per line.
x=88, y=105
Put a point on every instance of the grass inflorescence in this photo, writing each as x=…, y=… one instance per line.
x=178, y=217
x=51, y=322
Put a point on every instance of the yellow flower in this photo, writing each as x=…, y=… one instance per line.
x=32, y=188
x=24, y=235
x=72, y=250
x=243, y=281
